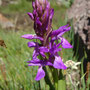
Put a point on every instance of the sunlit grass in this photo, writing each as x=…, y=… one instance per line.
x=21, y=7
x=14, y=57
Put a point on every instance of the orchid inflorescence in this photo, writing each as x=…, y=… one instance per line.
x=46, y=47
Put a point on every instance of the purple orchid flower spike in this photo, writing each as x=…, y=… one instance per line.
x=46, y=49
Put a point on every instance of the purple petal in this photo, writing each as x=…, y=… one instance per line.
x=54, y=38
x=58, y=44
x=39, y=50
x=35, y=14
x=38, y=21
x=58, y=63
x=51, y=13
x=33, y=4
x=43, y=49
x=45, y=15
x=35, y=62
x=31, y=44
x=54, y=49
x=42, y=53
x=31, y=15
x=48, y=4
x=30, y=36
x=61, y=30
x=57, y=50
x=65, y=43
x=65, y=30
x=50, y=45
x=40, y=74
x=45, y=63
x=35, y=54
x=49, y=63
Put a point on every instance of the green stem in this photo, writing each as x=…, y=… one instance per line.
x=47, y=80
x=55, y=78
x=61, y=81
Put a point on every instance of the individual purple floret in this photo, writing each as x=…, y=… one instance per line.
x=41, y=64
x=45, y=48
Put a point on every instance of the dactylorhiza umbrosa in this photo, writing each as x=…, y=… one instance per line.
x=46, y=50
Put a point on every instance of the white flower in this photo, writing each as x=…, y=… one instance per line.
x=72, y=64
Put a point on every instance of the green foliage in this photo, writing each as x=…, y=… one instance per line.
x=21, y=6
x=78, y=56
x=18, y=75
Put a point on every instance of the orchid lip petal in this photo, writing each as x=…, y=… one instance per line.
x=40, y=74
x=65, y=43
x=58, y=63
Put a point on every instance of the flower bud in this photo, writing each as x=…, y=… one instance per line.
x=42, y=16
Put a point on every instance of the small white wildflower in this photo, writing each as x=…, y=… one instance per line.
x=72, y=64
